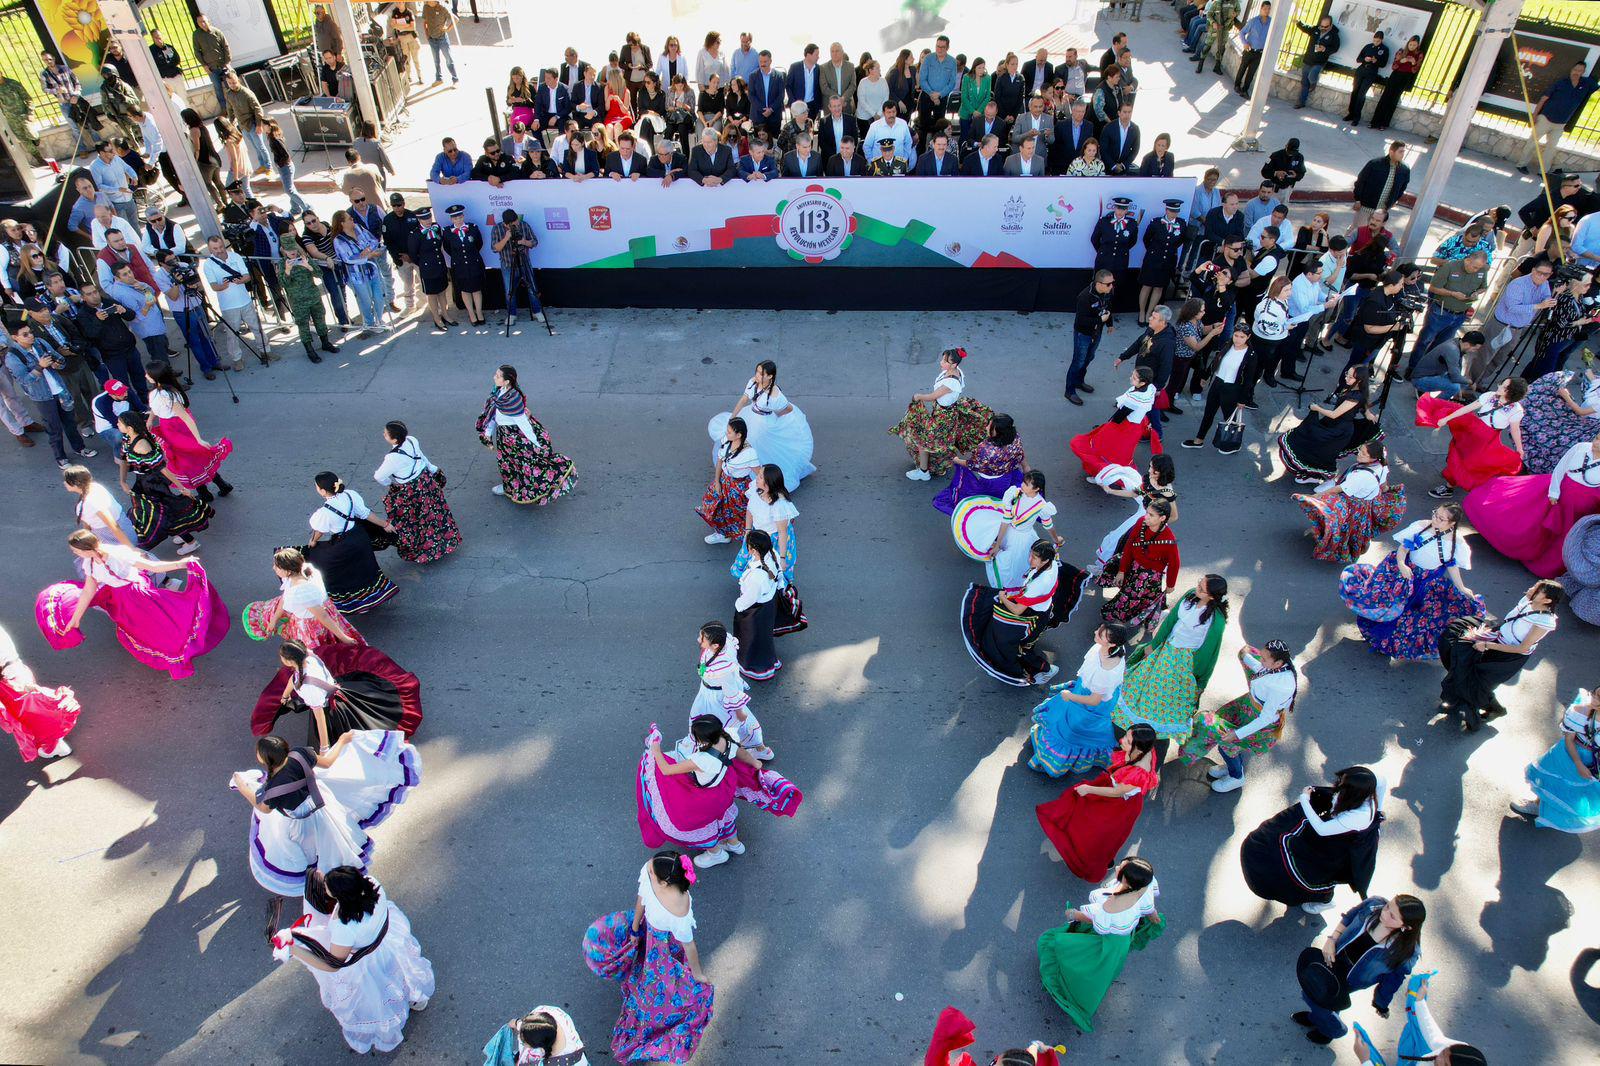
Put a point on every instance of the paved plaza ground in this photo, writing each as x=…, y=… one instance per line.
x=555, y=636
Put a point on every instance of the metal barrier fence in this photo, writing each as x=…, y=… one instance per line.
x=176, y=22
x=1446, y=49
x=294, y=22
x=20, y=45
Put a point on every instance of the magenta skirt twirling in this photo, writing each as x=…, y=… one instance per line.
x=675, y=811
x=189, y=463
x=166, y=629
x=1516, y=517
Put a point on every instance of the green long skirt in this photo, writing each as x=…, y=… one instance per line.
x=1078, y=965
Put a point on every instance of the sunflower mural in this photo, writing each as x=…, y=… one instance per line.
x=80, y=33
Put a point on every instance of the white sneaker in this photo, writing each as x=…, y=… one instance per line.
x=717, y=538
x=191, y=546
x=62, y=748
x=1317, y=908
x=420, y=1005
x=1227, y=784
x=1217, y=773
x=1043, y=677
x=915, y=474
x=765, y=754
x=707, y=859
x=499, y=490
x=733, y=849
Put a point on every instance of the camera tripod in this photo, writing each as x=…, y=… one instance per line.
x=1506, y=363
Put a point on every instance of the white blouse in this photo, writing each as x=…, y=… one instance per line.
x=404, y=464
x=1232, y=359
x=1123, y=922
x=1188, y=631
x=765, y=401
x=300, y=598
x=1347, y=821
x=362, y=931
x=1425, y=547
x=708, y=769
x=1580, y=465
x=756, y=586
x=1364, y=482
x=314, y=695
x=742, y=465
x=116, y=569
x=348, y=502
x=1274, y=691
x=1042, y=586
x=97, y=501
x=954, y=382
x=1024, y=511
x=1574, y=718
x=1496, y=414
x=656, y=913
x=1098, y=678
x=1138, y=402
x=1514, y=630
x=163, y=404
x=768, y=517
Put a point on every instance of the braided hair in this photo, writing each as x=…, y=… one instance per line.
x=759, y=542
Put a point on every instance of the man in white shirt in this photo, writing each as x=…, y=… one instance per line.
x=225, y=271
x=107, y=219
x=1309, y=300
x=1279, y=216
x=892, y=126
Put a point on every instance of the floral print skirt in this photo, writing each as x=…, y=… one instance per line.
x=532, y=471
x=943, y=432
x=1400, y=617
x=665, y=1009
x=425, y=530
x=724, y=505
x=1343, y=525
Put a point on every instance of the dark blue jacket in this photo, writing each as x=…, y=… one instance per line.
x=1373, y=970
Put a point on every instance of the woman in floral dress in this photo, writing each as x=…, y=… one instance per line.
x=1403, y=604
x=1559, y=411
x=1167, y=676
x=1144, y=569
x=726, y=502
x=650, y=951
x=425, y=530
x=1252, y=722
x=942, y=423
x=1344, y=513
x=993, y=467
x=531, y=470
x=302, y=610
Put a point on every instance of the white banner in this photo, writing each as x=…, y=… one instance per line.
x=868, y=222
x=248, y=28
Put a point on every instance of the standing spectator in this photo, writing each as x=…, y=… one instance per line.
x=1253, y=38
x=937, y=79
x=1402, y=76
x=1107, y=98
x=1370, y=62
x=60, y=331
x=245, y=110
x=839, y=76
x=1037, y=73
x=266, y=251
x=143, y=304
x=1557, y=106
x=403, y=30
x=316, y=237
x=58, y=81
x=871, y=92
x=1452, y=292
x=36, y=368
x=672, y=63
x=1285, y=167
x=1323, y=44
x=976, y=86
x=710, y=62
x=745, y=60
x=635, y=60
x=1383, y=180
x=361, y=253
x=169, y=67
x=513, y=240
x=1220, y=18
x=373, y=153
x=766, y=96
x=325, y=32
x=225, y=272
x=902, y=84
x=104, y=325
x=283, y=162
x=1088, y=325
x=187, y=302
x=1521, y=302
x=214, y=52
x=804, y=83
x=437, y=22
x=1072, y=74
x=305, y=300
x=116, y=180
x=1009, y=88
x=399, y=227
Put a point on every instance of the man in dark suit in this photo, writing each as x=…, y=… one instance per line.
x=572, y=71
x=553, y=104
x=802, y=162
x=516, y=143
x=1119, y=143
x=939, y=161
x=1036, y=73
x=980, y=126
x=1026, y=162
x=625, y=164
x=985, y=162
x=589, y=100
x=848, y=162
x=710, y=164
x=667, y=164
x=756, y=164
x=1071, y=132
x=805, y=81
x=834, y=127
x=766, y=96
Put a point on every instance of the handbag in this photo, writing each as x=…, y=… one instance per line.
x=1229, y=436
x=1318, y=981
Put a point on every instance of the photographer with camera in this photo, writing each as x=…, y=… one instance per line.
x=36, y=368
x=78, y=363
x=1377, y=320
x=1523, y=299
x=186, y=299
x=224, y=270
x=105, y=325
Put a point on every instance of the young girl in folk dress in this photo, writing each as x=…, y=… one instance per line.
x=1159, y=483
x=726, y=499
x=1090, y=823
x=1566, y=779
x=993, y=467
x=425, y=530
x=1476, y=454
x=1480, y=654
x=1071, y=730
x=756, y=608
x=1000, y=626
x=1344, y=513
x=1147, y=552
x=1112, y=443
x=954, y=1031
x=1528, y=518
x=531, y=470
x=942, y=423
x=358, y=944
x=545, y=1036
x=778, y=429
x=1079, y=961
x=1025, y=511
x=166, y=629
x=302, y=610
x=97, y=510
x=159, y=507
x=1560, y=410
x=1311, y=450
x=1329, y=837
x=769, y=509
x=192, y=462
x=1167, y=676
x=1404, y=603
x=723, y=691
x=650, y=951
x=37, y=718
x=344, y=541
x=342, y=688
x=1251, y=723
x=701, y=813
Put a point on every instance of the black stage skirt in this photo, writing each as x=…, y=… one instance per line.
x=158, y=511
x=1285, y=860
x=1470, y=675
x=350, y=569
x=375, y=692
x=1069, y=592
x=1000, y=642
x=758, y=655
x=791, y=615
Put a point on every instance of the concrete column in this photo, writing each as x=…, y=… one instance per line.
x=123, y=21
x=346, y=17
x=1498, y=22
x=1282, y=16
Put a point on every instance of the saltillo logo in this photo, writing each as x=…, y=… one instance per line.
x=816, y=225
x=1011, y=215
x=1058, y=217
x=600, y=217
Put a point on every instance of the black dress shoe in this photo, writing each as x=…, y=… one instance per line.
x=1318, y=1038
x=1074, y=399
x=1174, y=409
x=1086, y=388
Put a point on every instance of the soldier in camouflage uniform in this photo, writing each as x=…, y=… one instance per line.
x=1220, y=19
x=14, y=105
x=305, y=299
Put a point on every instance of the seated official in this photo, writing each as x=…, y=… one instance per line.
x=626, y=163
x=711, y=163
x=757, y=165
x=582, y=162
x=833, y=127
x=1025, y=162
x=536, y=162
x=848, y=163
x=515, y=144
x=886, y=164
x=667, y=165
x=986, y=161
x=939, y=161
x=988, y=124
x=802, y=162
x=494, y=166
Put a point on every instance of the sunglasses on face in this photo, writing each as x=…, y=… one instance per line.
x=360, y=201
